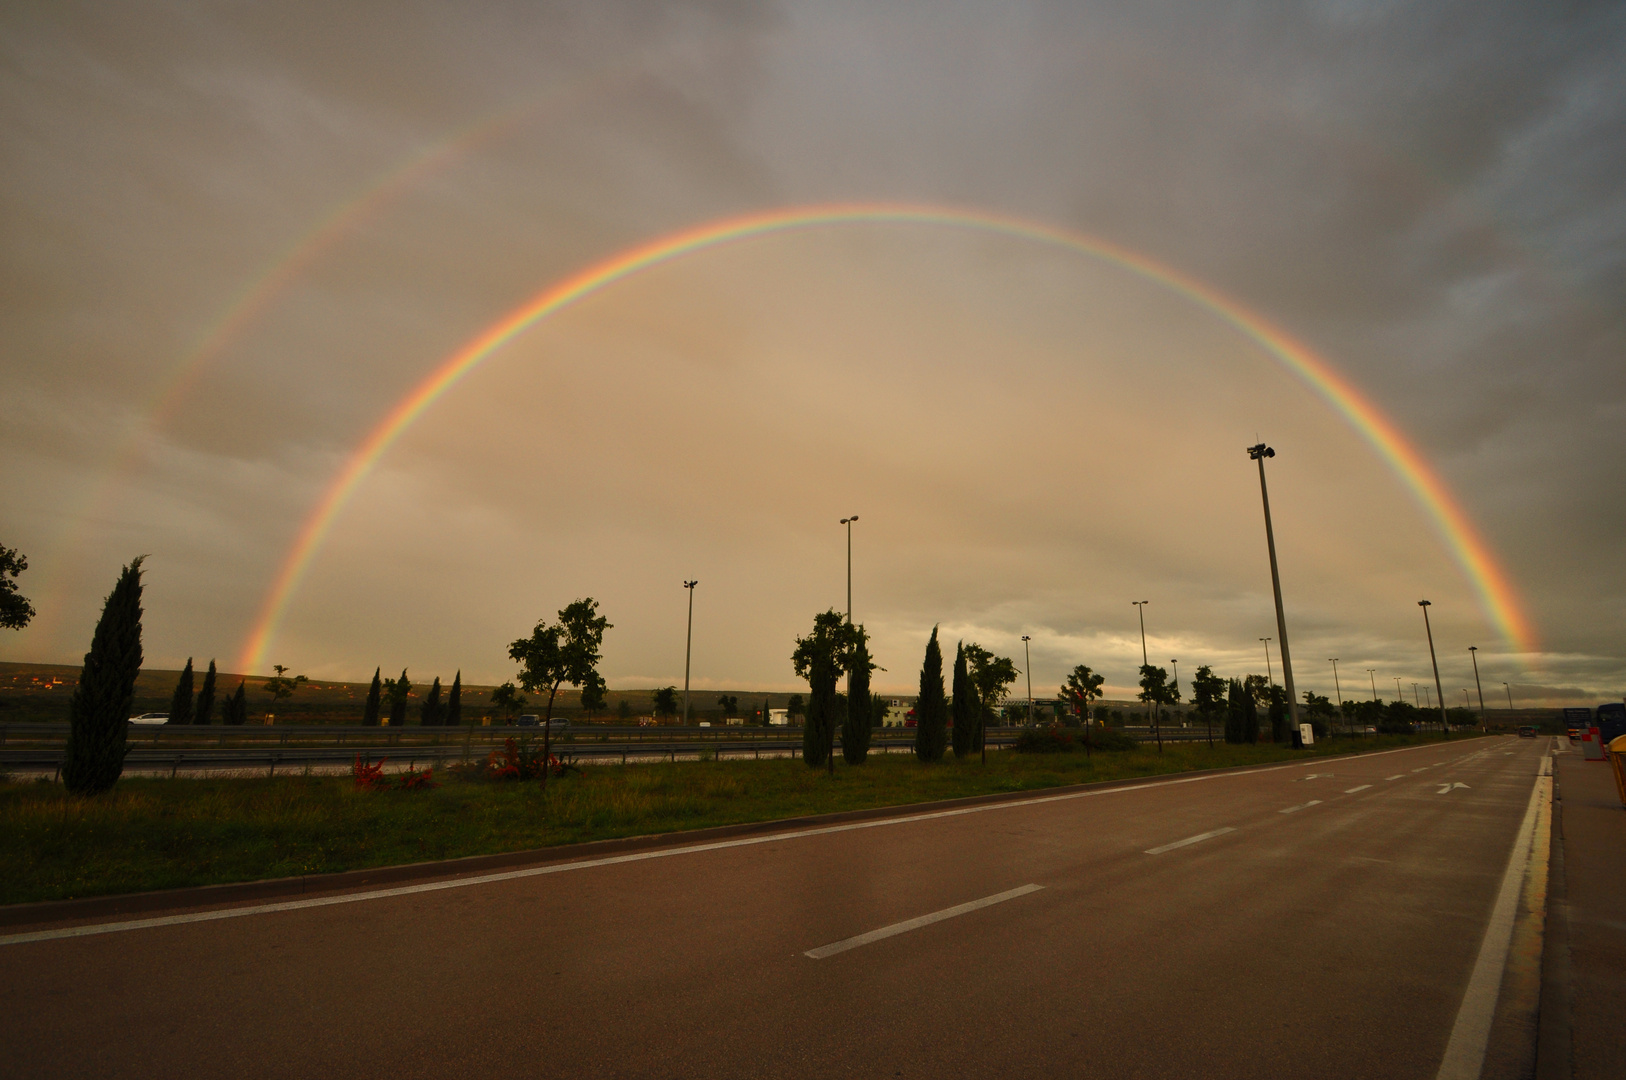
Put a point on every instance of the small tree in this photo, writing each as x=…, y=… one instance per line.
x=280, y=686
x=1154, y=690
x=180, y=702
x=1208, y=694
x=624, y=710
x=454, y=701
x=964, y=707
x=767, y=713
x=820, y=658
x=555, y=655
x=370, y=712
x=431, y=711
x=204, y=713
x=398, y=691
x=1082, y=687
x=99, y=714
x=990, y=675
x=507, y=700
x=856, y=727
x=235, y=711
x=931, y=711
x=594, y=693
x=730, y=704
x=15, y=610
x=666, y=702
x=1242, y=715
x=1279, y=718
x=795, y=707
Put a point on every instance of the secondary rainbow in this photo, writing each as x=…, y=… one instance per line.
x=1495, y=591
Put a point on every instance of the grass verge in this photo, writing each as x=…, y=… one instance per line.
x=163, y=834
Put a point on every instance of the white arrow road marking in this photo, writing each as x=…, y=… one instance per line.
x=1444, y=788
x=1199, y=838
x=1300, y=806
x=1353, y=790
x=915, y=924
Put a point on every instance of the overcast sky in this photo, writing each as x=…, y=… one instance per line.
x=1430, y=196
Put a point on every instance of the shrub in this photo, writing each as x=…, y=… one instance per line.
x=1050, y=740
x=1108, y=739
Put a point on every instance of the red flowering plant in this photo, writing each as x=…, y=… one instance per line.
x=413, y=780
x=519, y=760
x=369, y=777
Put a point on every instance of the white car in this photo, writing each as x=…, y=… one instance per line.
x=149, y=718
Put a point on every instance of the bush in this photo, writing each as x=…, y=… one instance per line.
x=1108, y=739
x=1050, y=740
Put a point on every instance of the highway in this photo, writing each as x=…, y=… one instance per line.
x=1314, y=920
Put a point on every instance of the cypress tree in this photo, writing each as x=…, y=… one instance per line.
x=1250, y=717
x=400, y=690
x=767, y=713
x=453, y=716
x=821, y=707
x=370, y=711
x=236, y=710
x=931, y=711
x=205, y=712
x=99, y=715
x=855, y=729
x=180, y=702
x=1279, y=723
x=963, y=728
x=429, y=713
x=1233, y=712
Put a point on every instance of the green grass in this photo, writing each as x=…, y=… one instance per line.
x=161, y=834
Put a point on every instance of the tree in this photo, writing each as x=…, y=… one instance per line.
x=1208, y=694
x=855, y=730
x=1258, y=688
x=431, y=712
x=280, y=686
x=964, y=707
x=595, y=692
x=1082, y=687
x=624, y=710
x=15, y=610
x=820, y=658
x=398, y=691
x=990, y=675
x=1279, y=718
x=370, y=711
x=1155, y=691
x=507, y=700
x=931, y=711
x=795, y=707
x=767, y=712
x=205, y=711
x=666, y=701
x=235, y=711
x=730, y=704
x=1319, y=709
x=555, y=655
x=99, y=714
x=1242, y=715
x=180, y=702
x=454, y=701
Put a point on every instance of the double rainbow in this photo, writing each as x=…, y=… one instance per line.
x=1495, y=591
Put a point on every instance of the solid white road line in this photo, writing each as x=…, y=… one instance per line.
x=122, y=925
x=1465, y=1053
x=1300, y=806
x=1199, y=838
x=1396, y=776
x=915, y=924
x=1353, y=790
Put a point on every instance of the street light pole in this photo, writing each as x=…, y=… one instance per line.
x=688, y=647
x=1259, y=453
x=1372, y=675
x=1027, y=658
x=1473, y=651
x=1339, y=691
x=1445, y=725
x=1270, y=674
x=1509, y=690
x=1140, y=606
x=1400, y=695
x=848, y=521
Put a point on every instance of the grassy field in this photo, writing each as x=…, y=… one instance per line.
x=159, y=834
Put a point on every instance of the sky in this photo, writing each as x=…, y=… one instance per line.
x=236, y=239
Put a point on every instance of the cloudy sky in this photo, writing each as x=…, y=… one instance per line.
x=236, y=236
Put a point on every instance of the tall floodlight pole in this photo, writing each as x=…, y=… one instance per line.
x=1259, y=453
x=1027, y=657
x=1400, y=695
x=688, y=646
x=1416, y=696
x=1445, y=725
x=1336, y=688
x=1473, y=651
x=1372, y=674
x=848, y=521
x=1140, y=606
x=1509, y=690
x=1270, y=673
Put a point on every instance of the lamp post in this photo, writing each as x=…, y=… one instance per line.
x=688, y=646
x=1416, y=696
x=1400, y=695
x=1509, y=690
x=1027, y=658
x=1269, y=673
x=1259, y=453
x=1473, y=651
x=848, y=521
x=1140, y=606
x=1372, y=674
x=1337, y=690
x=1445, y=725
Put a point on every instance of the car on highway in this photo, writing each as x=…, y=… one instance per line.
x=1527, y=731
x=149, y=718
x=558, y=723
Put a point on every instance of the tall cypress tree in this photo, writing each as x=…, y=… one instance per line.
x=236, y=710
x=931, y=711
x=1233, y=712
x=429, y=713
x=1279, y=724
x=370, y=711
x=855, y=729
x=180, y=702
x=99, y=715
x=205, y=712
x=963, y=729
x=1250, y=717
x=400, y=690
x=454, y=701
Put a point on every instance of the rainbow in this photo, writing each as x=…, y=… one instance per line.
x=1495, y=591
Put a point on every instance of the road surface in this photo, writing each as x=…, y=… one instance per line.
x=1313, y=920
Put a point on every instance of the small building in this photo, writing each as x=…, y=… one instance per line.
x=779, y=717
x=896, y=713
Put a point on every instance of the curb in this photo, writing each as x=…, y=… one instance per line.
x=208, y=896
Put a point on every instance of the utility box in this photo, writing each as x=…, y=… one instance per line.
x=1307, y=733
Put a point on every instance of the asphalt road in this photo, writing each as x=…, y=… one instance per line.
x=1333, y=940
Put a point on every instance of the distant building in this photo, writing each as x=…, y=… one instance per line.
x=779, y=717
x=896, y=713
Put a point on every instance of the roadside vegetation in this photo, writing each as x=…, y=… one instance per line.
x=158, y=834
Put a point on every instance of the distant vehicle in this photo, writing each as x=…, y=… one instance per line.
x=705, y=723
x=1527, y=731
x=147, y=719
x=533, y=720
x=1611, y=721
